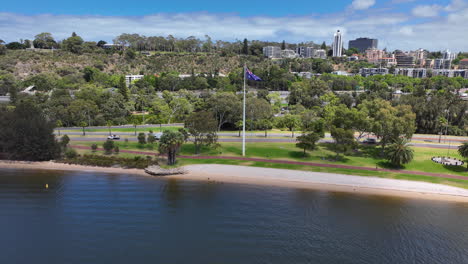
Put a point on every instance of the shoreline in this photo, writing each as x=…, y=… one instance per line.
x=361, y=185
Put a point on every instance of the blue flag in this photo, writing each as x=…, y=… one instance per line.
x=251, y=76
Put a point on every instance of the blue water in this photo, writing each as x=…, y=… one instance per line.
x=105, y=218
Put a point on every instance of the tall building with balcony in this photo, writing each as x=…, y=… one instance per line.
x=411, y=72
x=448, y=55
x=442, y=64
x=363, y=44
x=404, y=60
x=337, y=45
x=272, y=52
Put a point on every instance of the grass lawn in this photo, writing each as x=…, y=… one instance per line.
x=367, y=156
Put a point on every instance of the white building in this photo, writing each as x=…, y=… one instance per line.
x=447, y=55
x=319, y=53
x=337, y=45
x=129, y=79
x=442, y=64
x=373, y=71
x=287, y=53
x=411, y=72
x=272, y=52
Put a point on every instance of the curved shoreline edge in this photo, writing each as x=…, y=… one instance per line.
x=363, y=185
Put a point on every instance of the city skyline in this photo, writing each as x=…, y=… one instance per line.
x=398, y=24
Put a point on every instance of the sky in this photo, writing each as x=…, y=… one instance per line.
x=397, y=24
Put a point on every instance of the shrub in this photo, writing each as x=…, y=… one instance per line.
x=141, y=138
x=108, y=146
x=109, y=161
x=116, y=149
x=94, y=147
x=71, y=153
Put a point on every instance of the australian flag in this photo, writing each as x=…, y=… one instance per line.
x=251, y=76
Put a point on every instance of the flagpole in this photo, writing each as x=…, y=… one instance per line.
x=243, y=117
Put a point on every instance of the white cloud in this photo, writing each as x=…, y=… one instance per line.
x=455, y=5
x=426, y=10
x=394, y=30
x=362, y=4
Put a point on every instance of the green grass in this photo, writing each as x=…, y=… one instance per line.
x=367, y=156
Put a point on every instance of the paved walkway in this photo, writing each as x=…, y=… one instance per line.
x=324, y=165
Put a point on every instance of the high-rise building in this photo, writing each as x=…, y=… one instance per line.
x=447, y=55
x=337, y=44
x=404, y=60
x=411, y=72
x=442, y=64
x=362, y=44
x=272, y=52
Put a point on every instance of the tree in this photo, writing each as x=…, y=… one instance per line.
x=101, y=43
x=245, y=47
x=399, y=152
x=463, y=151
x=151, y=137
x=141, y=138
x=291, y=122
x=283, y=45
x=108, y=146
x=44, y=41
x=203, y=127
x=135, y=123
x=26, y=134
x=170, y=143
x=226, y=107
x=323, y=46
x=15, y=46
x=109, y=126
x=388, y=122
x=264, y=124
x=73, y=44
x=344, y=139
x=83, y=124
x=307, y=141
x=64, y=141
x=123, y=88
x=58, y=125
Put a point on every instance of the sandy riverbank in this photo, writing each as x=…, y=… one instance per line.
x=282, y=178
x=324, y=181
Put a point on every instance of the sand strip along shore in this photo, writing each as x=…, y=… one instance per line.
x=281, y=178
x=323, y=181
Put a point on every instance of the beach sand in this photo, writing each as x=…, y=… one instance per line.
x=282, y=178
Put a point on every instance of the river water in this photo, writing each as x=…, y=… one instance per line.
x=86, y=217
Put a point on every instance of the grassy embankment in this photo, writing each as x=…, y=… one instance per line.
x=367, y=156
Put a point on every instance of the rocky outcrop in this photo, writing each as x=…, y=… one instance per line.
x=158, y=171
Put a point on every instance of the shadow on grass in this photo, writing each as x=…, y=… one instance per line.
x=456, y=168
x=388, y=165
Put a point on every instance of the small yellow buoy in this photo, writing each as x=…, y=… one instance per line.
x=47, y=186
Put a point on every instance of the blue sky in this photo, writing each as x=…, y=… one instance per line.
x=146, y=7
x=403, y=24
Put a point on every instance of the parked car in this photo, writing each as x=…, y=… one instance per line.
x=113, y=137
x=157, y=135
x=370, y=141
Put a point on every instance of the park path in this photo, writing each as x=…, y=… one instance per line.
x=305, y=163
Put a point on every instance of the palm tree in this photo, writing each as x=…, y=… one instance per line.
x=399, y=152
x=463, y=150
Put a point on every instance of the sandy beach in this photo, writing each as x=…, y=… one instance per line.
x=281, y=178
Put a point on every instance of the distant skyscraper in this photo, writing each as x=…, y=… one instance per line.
x=337, y=44
x=362, y=44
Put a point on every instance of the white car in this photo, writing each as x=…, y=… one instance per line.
x=157, y=135
x=113, y=137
